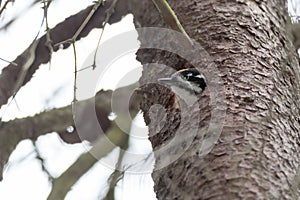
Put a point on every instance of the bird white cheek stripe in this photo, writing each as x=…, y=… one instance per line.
x=199, y=76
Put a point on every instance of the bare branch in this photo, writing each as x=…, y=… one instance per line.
x=115, y=177
x=4, y=6
x=170, y=17
x=61, y=186
x=82, y=26
x=57, y=120
x=109, y=12
x=75, y=73
x=61, y=32
x=8, y=61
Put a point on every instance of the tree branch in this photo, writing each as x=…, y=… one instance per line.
x=57, y=120
x=61, y=32
x=61, y=186
x=4, y=6
x=115, y=137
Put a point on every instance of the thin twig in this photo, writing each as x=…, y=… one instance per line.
x=4, y=6
x=84, y=68
x=48, y=38
x=75, y=76
x=115, y=177
x=85, y=22
x=40, y=158
x=38, y=33
x=10, y=62
x=109, y=12
x=98, y=43
x=170, y=17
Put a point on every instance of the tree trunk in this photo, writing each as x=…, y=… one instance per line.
x=257, y=154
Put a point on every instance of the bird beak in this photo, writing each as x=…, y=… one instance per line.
x=165, y=80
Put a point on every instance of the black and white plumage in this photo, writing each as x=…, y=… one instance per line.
x=186, y=83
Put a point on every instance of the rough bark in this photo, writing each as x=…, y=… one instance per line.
x=257, y=155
